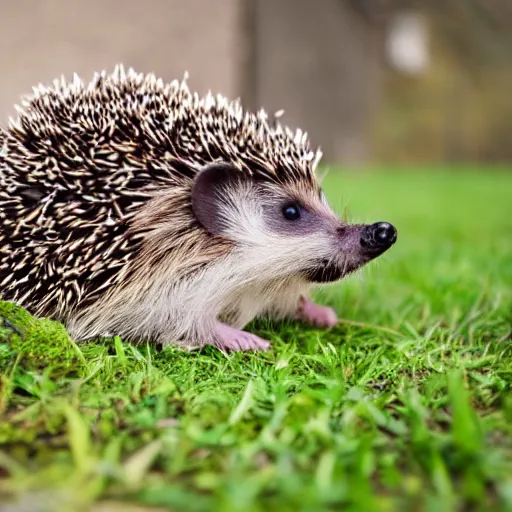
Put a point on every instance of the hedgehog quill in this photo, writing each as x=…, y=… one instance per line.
x=134, y=207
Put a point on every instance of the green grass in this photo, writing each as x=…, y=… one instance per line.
x=406, y=405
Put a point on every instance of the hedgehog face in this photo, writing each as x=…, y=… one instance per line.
x=286, y=229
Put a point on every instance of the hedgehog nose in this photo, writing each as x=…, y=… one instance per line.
x=378, y=237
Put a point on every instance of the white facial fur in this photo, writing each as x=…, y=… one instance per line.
x=272, y=247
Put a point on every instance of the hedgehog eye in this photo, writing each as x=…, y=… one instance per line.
x=291, y=212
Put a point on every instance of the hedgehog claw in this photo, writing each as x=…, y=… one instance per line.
x=230, y=339
x=316, y=315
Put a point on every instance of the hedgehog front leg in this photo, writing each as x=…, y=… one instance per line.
x=292, y=303
x=316, y=315
x=231, y=339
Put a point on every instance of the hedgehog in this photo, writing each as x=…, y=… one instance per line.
x=137, y=208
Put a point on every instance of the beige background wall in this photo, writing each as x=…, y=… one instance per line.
x=42, y=39
x=321, y=61
x=318, y=64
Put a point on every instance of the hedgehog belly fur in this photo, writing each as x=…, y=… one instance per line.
x=185, y=311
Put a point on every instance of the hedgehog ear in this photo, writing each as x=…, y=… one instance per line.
x=208, y=194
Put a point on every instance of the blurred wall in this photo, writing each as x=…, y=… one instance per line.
x=41, y=40
x=321, y=63
x=316, y=63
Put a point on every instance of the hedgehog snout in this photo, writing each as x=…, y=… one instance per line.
x=378, y=237
x=355, y=245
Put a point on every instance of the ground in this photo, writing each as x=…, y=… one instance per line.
x=406, y=405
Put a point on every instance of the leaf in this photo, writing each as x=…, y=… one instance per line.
x=244, y=404
x=79, y=437
x=140, y=462
x=465, y=426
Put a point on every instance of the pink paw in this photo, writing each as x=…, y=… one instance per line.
x=231, y=339
x=316, y=315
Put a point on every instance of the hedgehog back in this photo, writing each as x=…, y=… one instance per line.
x=81, y=159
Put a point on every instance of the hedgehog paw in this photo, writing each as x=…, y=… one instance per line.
x=316, y=315
x=233, y=340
